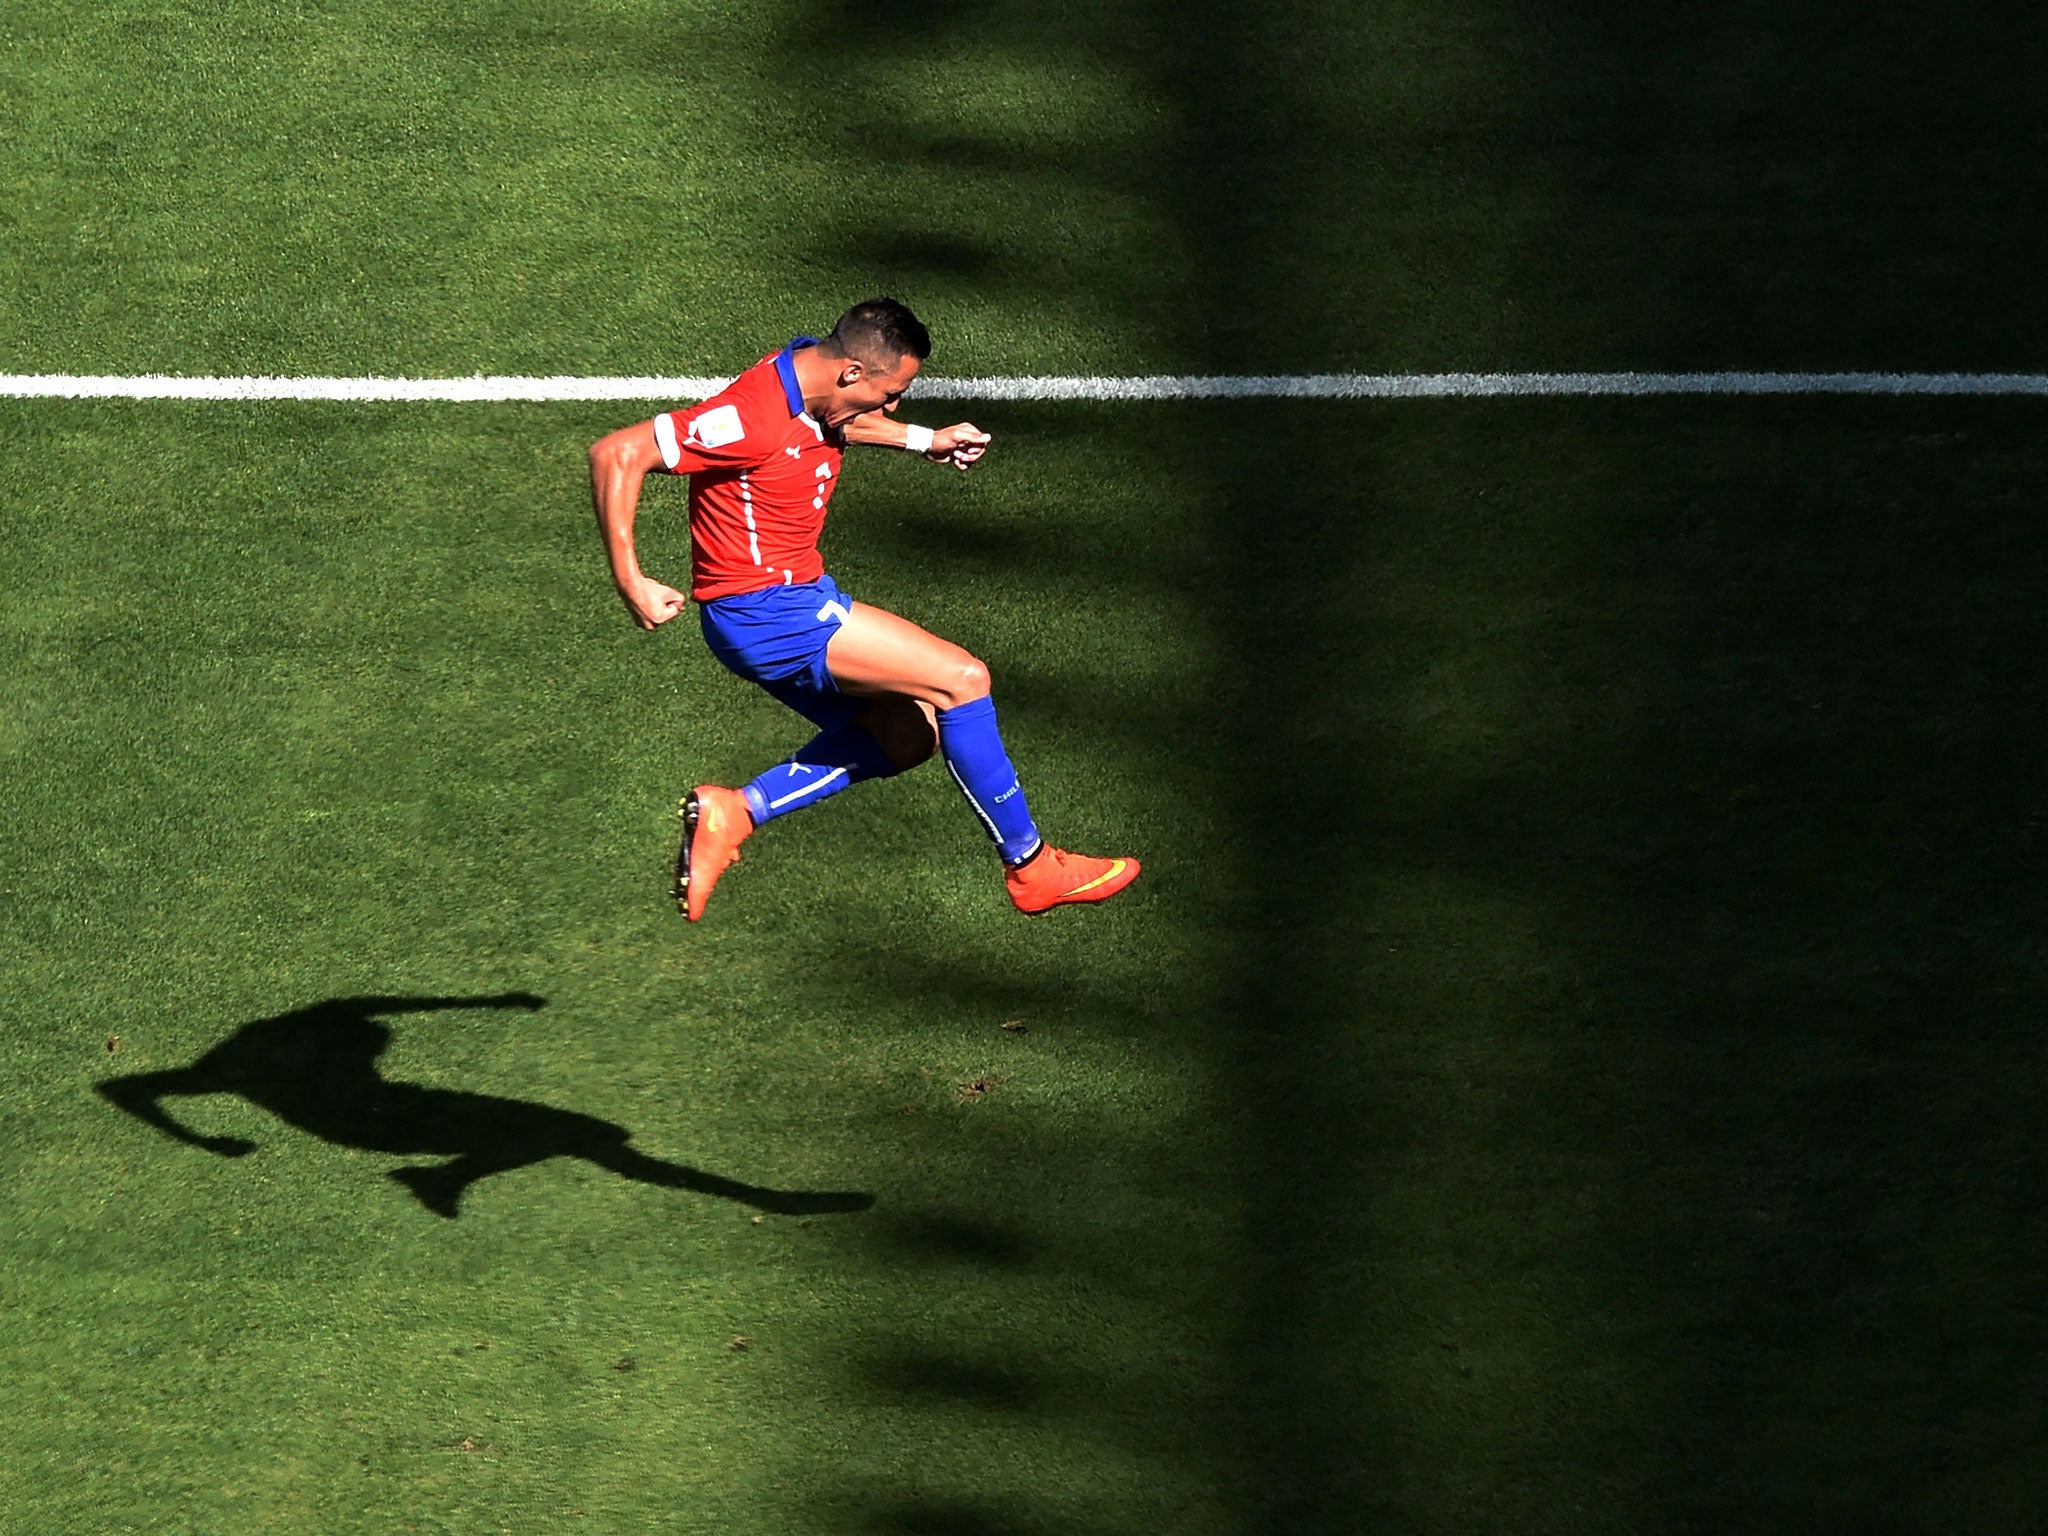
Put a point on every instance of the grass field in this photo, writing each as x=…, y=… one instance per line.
x=1573, y=1062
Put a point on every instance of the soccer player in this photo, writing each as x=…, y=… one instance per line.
x=763, y=456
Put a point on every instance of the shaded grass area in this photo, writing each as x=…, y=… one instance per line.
x=1637, y=1021
x=1643, y=946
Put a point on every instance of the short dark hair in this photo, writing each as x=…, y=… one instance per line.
x=879, y=331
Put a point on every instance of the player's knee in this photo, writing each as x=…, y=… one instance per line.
x=966, y=680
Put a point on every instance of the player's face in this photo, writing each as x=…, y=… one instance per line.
x=872, y=389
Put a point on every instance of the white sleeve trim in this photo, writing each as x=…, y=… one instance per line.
x=665, y=439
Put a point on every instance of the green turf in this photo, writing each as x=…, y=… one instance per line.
x=1570, y=1065
x=284, y=759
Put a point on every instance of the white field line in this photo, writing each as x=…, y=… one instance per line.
x=1321, y=386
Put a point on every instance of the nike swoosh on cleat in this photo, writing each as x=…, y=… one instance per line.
x=1116, y=868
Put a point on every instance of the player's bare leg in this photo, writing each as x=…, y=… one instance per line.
x=907, y=729
x=875, y=652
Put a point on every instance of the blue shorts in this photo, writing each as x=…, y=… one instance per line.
x=777, y=637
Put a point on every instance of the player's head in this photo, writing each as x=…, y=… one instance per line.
x=875, y=349
x=880, y=332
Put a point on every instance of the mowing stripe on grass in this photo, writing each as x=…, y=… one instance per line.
x=1316, y=386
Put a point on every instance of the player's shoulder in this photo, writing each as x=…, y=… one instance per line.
x=750, y=407
x=748, y=394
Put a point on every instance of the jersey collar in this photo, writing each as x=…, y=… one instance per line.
x=785, y=368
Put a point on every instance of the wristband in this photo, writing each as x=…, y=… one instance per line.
x=917, y=439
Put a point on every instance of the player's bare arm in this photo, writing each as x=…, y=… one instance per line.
x=618, y=463
x=959, y=445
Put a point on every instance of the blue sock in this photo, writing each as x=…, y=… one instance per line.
x=831, y=761
x=974, y=752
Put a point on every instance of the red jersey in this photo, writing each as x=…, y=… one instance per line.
x=761, y=474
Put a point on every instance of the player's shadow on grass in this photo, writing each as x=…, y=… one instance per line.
x=316, y=1068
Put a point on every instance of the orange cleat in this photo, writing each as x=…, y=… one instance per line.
x=1053, y=877
x=715, y=822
